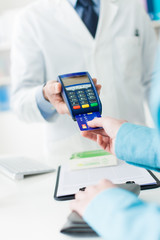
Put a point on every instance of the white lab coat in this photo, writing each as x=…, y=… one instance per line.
x=50, y=39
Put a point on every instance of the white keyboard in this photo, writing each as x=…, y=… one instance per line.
x=17, y=167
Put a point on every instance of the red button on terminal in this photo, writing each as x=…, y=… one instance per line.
x=76, y=107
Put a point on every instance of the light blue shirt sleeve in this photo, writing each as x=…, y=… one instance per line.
x=115, y=213
x=46, y=108
x=155, y=96
x=138, y=145
x=118, y=215
x=141, y=145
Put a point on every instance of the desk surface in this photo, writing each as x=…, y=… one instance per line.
x=28, y=210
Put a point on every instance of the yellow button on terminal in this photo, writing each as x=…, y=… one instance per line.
x=85, y=106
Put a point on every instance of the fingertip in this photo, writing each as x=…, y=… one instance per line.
x=96, y=122
x=84, y=133
x=103, y=181
x=94, y=80
x=90, y=123
x=59, y=86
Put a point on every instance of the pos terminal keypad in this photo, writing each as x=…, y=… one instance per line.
x=81, y=97
x=84, y=98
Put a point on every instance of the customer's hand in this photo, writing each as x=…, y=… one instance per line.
x=52, y=93
x=83, y=198
x=104, y=137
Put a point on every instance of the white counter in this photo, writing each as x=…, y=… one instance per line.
x=29, y=212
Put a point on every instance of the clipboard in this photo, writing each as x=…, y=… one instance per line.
x=72, y=196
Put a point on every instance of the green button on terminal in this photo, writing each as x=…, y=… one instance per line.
x=94, y=104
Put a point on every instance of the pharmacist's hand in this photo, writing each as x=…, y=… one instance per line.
x=83, y=198
x=104, y=137
x=52, y=93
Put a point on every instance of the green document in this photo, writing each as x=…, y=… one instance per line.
x=91, y=159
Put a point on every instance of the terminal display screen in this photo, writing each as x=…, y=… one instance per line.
x=70, y=81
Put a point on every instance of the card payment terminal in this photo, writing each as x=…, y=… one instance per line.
x=81, y=97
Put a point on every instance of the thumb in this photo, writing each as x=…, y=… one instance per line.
x=96, y=122
x=56, y=87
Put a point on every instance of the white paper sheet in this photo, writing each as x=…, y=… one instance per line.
x=71, y=181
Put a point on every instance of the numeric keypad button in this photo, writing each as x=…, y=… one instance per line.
x=92, y=98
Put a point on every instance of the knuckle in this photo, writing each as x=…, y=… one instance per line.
x=78, y=195
x=103, y=181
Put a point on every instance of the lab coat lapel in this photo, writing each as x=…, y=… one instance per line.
x=108, y=12
x=66, y=14
x=69, y=17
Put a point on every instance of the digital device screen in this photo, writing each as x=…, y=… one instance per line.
x=70, y=81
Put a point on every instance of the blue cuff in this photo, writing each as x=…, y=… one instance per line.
x=102, y=214
x=124, y=141
x=155, y=96
x=46, y=108
x=118, y=214
x=138, y=145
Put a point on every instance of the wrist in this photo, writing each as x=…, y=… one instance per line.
x=120, y=140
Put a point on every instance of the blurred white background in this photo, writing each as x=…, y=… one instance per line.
x=16, y=137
